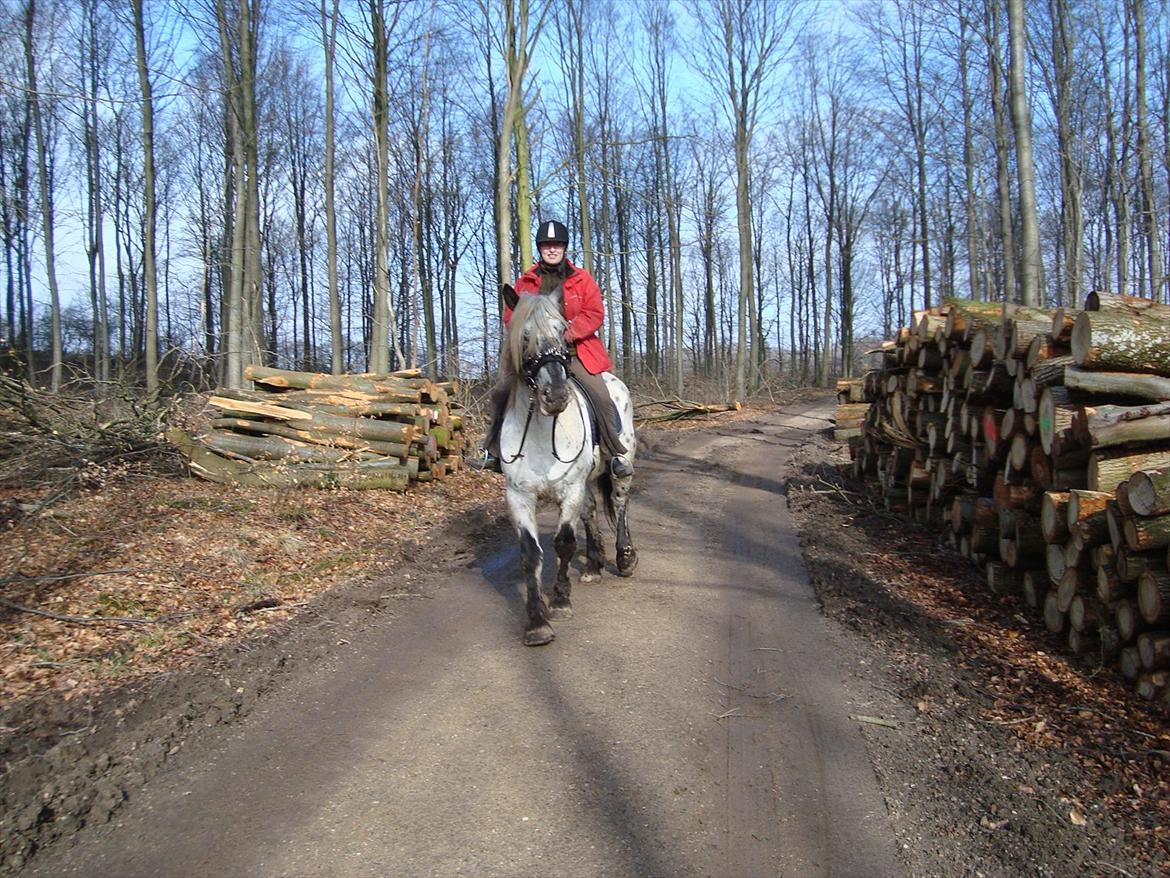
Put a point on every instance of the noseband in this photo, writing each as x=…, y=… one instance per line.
x=532, y=365
x=530, y=369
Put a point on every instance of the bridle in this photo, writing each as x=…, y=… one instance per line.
x=530, y=369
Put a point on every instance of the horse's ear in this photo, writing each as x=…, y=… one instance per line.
x=509, y=296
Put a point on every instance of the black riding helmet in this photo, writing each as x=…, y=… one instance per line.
x=552, y=232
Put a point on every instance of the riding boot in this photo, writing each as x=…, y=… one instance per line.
x=490, y=450
x=608, y=419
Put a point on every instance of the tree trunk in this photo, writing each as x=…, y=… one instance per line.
x=150, y=279
x=1031, y=266
x=48, y=221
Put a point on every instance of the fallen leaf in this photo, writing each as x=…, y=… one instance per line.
x=1077, y=818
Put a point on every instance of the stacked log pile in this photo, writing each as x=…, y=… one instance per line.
x=301, y=429
x=1040, y=442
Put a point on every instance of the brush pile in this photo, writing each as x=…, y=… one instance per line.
x=1040, y=442
x=302, y=429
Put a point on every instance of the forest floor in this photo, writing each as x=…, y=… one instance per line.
x=144, y=609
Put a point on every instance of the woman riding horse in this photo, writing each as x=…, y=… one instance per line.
x=584, y=310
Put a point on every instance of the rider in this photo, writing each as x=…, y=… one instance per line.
x=584, y=309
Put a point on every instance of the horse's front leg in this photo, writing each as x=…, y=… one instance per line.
x=523, y=509
x=627, y=555
x=566, y=545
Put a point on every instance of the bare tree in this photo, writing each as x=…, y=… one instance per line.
x=743, y=42
x=150, y=279
x=48, y=218
x=1031, y=264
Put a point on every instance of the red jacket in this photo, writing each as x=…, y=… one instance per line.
x=584, y=310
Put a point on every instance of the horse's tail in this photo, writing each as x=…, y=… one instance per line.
x=605, y=482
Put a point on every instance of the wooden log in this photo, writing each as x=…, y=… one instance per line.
x=1033, y=588
x=1108, y=642
x=1135, y=305
x=1146, y=534
x=1054, y=618
x=1054, y=563
x=313, y=437
x=1148, y=492
x=1109, y=425
x=1082, y=505
x=1110, y=588
x=1152, y=387
x=1150, y=685
x=276, y=448
x=320, y=381
x=1131, y=565
x=1055, y=417
x=1054, y=516
x=965, y=317
x=1108, y=469
x=1128, y=619
x=1008, y=496
x=1074, y=582
x=1121, y=342
x=1153, y=596
x=206, y=463
x=1130, y=663
x=1154, y=650
x=1002, y=579
x=1062, y=324
x=277, y=412
x=1084, y=612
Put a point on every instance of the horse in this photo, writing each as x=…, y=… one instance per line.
x=547, y=452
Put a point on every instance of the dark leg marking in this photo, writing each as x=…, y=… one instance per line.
x=566, y=545
x=594, y=547
x=531, y=557
x=627, y=555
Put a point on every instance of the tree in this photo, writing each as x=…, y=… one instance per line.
x=150, y=279
x=1031, y=265
x=48, y=218
x=743, y=42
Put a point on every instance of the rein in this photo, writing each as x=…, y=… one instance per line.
x=528, y=423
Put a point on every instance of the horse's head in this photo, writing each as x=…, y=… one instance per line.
x=536, y=348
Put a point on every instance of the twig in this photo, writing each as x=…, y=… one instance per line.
x=1112, y=868
x=62, y=577
x=874, y=721
x=76, y=620
x=730, y=714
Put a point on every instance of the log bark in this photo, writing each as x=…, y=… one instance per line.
x=1134, y=305
x=211, y=466
x=276, y=448
x=1109, y=425
x=313, y=437
x=1145, y=534
x=1054, y=516
x=1108, y=469
x=1131, y=565
x=1121, y=342
x=1151, y=387
x=1110, y=588
x=1149, y=492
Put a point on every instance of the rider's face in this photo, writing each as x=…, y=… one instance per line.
x=552, y=254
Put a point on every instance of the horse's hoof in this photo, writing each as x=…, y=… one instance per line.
x=627, y=562
x=560, y=611
x=539, y=636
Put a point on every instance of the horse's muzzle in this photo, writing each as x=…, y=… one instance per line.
x=553, y=399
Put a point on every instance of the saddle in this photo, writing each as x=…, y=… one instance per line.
x=593, y=415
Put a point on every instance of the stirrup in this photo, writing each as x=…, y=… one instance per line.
x=485, y=462
x=620, y=468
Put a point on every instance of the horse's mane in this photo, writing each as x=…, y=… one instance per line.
x=535, y=320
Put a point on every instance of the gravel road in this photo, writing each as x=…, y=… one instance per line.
x=691, y=720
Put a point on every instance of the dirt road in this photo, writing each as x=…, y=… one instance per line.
x=692, y=720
